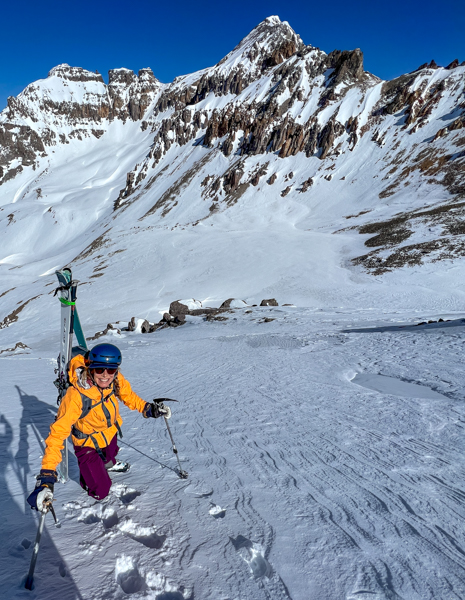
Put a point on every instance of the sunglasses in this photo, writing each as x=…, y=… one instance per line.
x=101, y=370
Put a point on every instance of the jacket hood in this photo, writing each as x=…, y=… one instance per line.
x=77, y=372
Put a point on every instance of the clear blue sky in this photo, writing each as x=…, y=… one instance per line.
x=179, y=37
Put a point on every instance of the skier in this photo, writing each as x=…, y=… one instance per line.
x=90, y=412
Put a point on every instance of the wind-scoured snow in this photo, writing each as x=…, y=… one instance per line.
x=304, y=482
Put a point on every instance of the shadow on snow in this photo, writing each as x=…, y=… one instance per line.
x=52, y=578
x=417, y=328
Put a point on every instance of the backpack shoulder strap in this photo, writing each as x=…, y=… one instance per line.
x=87, y=405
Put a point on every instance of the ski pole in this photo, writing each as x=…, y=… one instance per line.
x=163, y=466
x=35, y=552
x=182, y=474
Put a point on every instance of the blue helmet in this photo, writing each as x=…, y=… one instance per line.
x=104, y=355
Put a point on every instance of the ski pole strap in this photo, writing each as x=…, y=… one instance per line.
x=67, y=302
x=64, y=288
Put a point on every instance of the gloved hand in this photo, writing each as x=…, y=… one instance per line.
x=157, y=409
x=43, y=492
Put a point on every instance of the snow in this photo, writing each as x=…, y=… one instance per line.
x=273, y=20
x=191, y=303
x=236, y=303
x=303, y=482
x=395, y=387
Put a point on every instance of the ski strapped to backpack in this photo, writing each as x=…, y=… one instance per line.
x=70, y=325
x=87, y=406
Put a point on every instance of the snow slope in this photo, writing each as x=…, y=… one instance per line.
x=303, y=481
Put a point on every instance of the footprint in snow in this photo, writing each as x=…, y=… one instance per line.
x=128, y=576
x=132, y=580
x=373, y=582
x=198, y=491
x=164, y=589
x=129, y=496
x=110, y=519
x=124, y=493
x=146, y=536
x=73, y=505
x=217, y=512
x=89, y=516
x=108, y=516
x=253, y=554
x=18, y=550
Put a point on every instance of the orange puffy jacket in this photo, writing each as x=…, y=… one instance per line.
x=99, y=426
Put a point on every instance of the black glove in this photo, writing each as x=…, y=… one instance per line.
x=157, y=409
x=43, y=492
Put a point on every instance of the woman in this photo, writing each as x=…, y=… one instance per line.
x=90, y=413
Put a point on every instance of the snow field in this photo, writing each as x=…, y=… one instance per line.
x=302, y=482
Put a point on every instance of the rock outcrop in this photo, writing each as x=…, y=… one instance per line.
x=71, y=103
x=269, y=302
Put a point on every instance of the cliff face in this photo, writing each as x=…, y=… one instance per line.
x=225, y=135
x=70, y=104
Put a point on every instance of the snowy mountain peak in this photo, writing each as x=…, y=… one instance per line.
x=273, y=20
x=146, y=74
x=268, y=45
x=127, y=77
x=120, y=76
x=271, y=42
x=64, y=71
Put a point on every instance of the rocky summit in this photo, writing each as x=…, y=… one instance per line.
x=278, y=132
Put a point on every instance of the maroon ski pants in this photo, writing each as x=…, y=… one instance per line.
x=93, y=473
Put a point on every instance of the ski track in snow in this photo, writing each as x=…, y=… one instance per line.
x=302, y=484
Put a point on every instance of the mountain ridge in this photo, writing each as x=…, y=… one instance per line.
x=278, y=136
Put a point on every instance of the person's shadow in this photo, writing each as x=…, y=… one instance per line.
x=19, y=528
x=39, y=416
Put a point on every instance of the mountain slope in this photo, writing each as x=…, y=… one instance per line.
x=254, y=177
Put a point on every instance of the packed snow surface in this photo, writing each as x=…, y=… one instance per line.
x=325, y=458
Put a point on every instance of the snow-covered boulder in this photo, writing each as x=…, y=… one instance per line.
x=182, y=307
x=139, y=325
x=233, y=303
x=191, y=303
